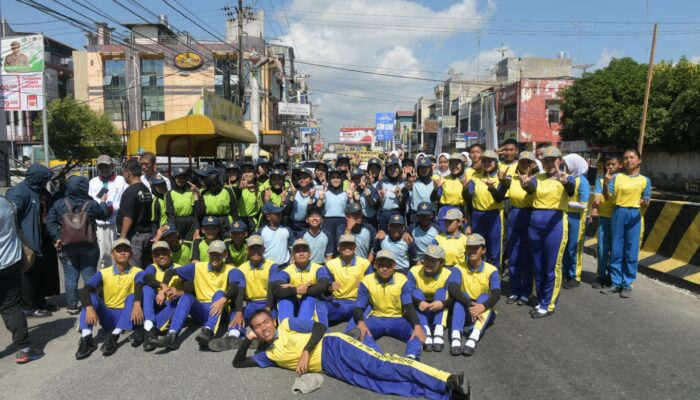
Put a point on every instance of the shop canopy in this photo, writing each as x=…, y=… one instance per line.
x=189, y=136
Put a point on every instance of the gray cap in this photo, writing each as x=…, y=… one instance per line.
x=121, y=242
x=347, y=238
x=300, y=242
x=453, y=214
x=527, y=155
x=551, y=151
x=388, y=254
x=104, y=160
x=456, y=156
x=490, y=154
x=160, y=245
x=307, y=383
x=435, y=251
x=217, y=246
x=255, y=240
x=475, y=240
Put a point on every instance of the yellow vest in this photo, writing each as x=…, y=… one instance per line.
x=550, y=194
x=452, y=191
x=257, y=280
x=628, y=190
x=483, y=199
x=454, y=247
x=519, y=198
x=476, y=282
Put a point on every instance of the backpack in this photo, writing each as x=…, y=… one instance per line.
x=77, y=228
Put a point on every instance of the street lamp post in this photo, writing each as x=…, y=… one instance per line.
x=255, y=60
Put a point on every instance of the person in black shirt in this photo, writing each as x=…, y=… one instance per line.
x=134, y=216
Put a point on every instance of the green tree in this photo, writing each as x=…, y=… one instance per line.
x=77, y=134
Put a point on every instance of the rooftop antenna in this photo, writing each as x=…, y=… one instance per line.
x=583, y=68
x=503, y=50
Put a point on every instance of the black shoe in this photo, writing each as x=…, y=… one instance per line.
x=205, y=335
x=137, y=336
x=49, y=307
x=468, y=350
x=512, y=299
x=611, y=290
x=109, y=347
x=85, y=347
x=225, y=343
x=626, y=293
x=29, y=354
x=597, y=284
x=571, y=284
x=148, y=339
x=456, y=350
x=438, y=347
x=73, y=310
x=538, y=315
x=428, y=347
x=39, y=313
x=168, y=341
x=523, y=301
x=454, y=383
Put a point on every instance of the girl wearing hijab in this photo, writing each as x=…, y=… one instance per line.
x=421, y=187
x=77, y=259
x=629, y=191
x=179, y=204
x=576, y=216
x=451, y=189
x=333, y=199
x=215, y=199
x=390, y=193
x=443, y=165
x=249, y=198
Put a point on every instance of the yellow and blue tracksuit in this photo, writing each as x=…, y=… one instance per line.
x=210, y=285
x=291, y=304
x=454, y=246
x=605, y=213
x=114, y=307
x=200, y=249
x=254, y=281
x=348, y=360
x=519, y=257
x=481, y=285
x=487, y=213
x=386, y=301
x=547, y=234
x=179, y=207
x=510, y=169
x=627, y=226
x=160, y=315
x=348, y=275
x=450, y=195
x=572, y=263
x=429, y=289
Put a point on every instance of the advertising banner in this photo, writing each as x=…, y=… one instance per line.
x=22, y=54
x=385, y=127
x=356, y=135
x=23, y=92
x=217, y=107
x=430, y=126
x=22, y=73
x=294, y=109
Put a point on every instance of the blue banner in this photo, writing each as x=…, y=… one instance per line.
x=385, y=127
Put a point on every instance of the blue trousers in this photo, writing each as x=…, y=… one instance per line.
x=160, y=315
x=396, y=327
x=572, y=263
x=110, y=318
x=199, y=311
x=291, y=307
x=546, y=237
x=519, y=259
x=77, y=261
x=461, y=320
x=335, y=311
x=604, y=247
x=430, y=319
x=441, y=215
x=626, y=230
x=384, y=217
x=352, y=362
x=331, y=224
x=489, y=224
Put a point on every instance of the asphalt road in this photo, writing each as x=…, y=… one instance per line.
x=594, y=347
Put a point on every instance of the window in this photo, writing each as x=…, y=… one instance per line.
x=114, y=89
x=152, y=90
x=221, y=65
x=510, y=114
x=553, y=112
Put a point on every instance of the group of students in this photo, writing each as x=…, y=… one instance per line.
x=395, y=250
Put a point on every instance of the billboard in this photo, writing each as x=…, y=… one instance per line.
x=22, y=92
x=22, y=73
x=215, y=106
x=22, y=54
x=294, y=109
x=385, y=127
x=356, y=135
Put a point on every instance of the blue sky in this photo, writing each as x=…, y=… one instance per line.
x=418, y=38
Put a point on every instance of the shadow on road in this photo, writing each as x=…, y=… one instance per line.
x=42, y=334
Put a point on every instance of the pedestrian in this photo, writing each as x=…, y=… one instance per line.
x=11, y=261
x=179, y=204
x=629, y=191
x=149, y=169
x=548, y=230
x=365, y=194
x=450, y=190
x=424, y=230
x=78, y=259
x=134, y=216
x=211, y=231
x=320, y=241
x=277, y=191
x=452, y=240
x=181, y=249
x=262, y=172
x=602, y=210
x=475, y=152
x=159, y=217
x=278, y=238
x=248, y=197
x=572, y=263
x=115, y=185
x=32, y=203
x=399, y=242
x=320, y=174
x=237, y=249
x=509, y=154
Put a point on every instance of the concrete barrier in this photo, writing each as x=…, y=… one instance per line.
x=671, y=244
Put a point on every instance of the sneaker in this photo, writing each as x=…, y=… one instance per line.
x=512, y=299
x=205, y=335
x=523, y=301
x=454, y=383
x=38, y=313
x=149, y=337
x=438, y=347
x=49, y=307
x=412, y=357
x=469, y=347
x=540, y=313
x=137, y=336
x=169, y=341
x=73, y=310
x=456, y=349
x=611, y=290
x=28, y=354
x=85, y=347
x=626, y=293
x=109, y=347
x=225, y=343
x=597, y=284
x=571, y=284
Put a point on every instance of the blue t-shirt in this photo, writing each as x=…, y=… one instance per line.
x=321, y=245
x=406, y=254
x=420, y=193
x=277, y=243
x=364, y=238
x=391, y=200
x=422, y=238
x=334, y=206
x=369, y=202
x=299, y=206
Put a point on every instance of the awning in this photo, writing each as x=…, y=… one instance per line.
x=249, y=152
x=189, y=136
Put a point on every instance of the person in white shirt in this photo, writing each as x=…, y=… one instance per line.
x=149, y=170
x=107, y=230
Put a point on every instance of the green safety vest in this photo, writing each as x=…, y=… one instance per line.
x=249, y=204
x=184, y=255
x=183, y=203
x=238, y=257
x=158, y=211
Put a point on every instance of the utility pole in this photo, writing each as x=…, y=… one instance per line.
x=650, y=73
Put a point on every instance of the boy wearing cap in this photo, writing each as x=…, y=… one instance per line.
x=451, y=190
x=181, y=249
x=299, y=200
x=431, y=282
x=406, y=254
x=278, y=238
x=179, y=204
x=211, y=229
x=115, y=184
x=119, y=307
x=262, y=173
x=452, y=240
x=392, y=193
x=158, y=308
x=392, y=311
x=345, y=273
x=237, y=249
x=474, y=303
x=320, y=241
x=364, y=233
x=214, y=287
x=299, y=286
x=424, y=230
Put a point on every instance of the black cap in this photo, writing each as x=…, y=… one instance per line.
x=271, y=208
x=374, y=161
x=247, y=164
x=357, y=172
x=335, y=171
x=407, y=161
x=424, y=162
x=343, y=157
x=232, y=165
x=177, y=171
x=277, y=172
x=237, y=226
x=280, y=162
x=353, y=207
x=208, y=170
x=392, y=161
x=262, y=161
x=322, y=165
x=425, y=208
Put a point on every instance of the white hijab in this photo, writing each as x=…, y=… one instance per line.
x=437, y=167
x=576, y=164
x=467, y=163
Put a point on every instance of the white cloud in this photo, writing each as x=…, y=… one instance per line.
x=695, y=59
x=606, y=56
x=375, y=35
